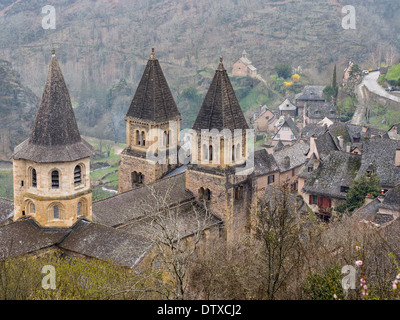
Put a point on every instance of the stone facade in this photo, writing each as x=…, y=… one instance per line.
x=135, y=168
x=229, y=195
x=36, y=194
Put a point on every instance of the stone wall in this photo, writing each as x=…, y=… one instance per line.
x=39, y=201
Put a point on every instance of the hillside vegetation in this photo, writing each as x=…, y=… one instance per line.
x=103, y=47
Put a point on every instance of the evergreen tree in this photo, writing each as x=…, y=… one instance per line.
x=334, y=82
x=364, y=185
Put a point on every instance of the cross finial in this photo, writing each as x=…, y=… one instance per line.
x=153, y=55
x=221, y=66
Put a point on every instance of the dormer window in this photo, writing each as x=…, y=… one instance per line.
x=344, y=189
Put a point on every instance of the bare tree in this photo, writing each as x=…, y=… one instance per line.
x=178, y=232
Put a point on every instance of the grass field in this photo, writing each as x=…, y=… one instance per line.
x=6, y=184
x=393, y=73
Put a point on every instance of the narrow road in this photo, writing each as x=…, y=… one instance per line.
x=361, y=107
x=371, y=82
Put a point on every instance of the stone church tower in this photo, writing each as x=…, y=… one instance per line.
x=220, y=149
x=52, y=167
x=152, y=126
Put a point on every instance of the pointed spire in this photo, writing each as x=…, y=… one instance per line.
x=153, y=100
x=55, y=132
x=220, y=109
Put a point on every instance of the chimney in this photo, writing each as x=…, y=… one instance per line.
x=340, y=138
x=348, y=147
x=368, y=199
x=397, y=158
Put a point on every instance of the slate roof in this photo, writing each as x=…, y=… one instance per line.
x=220, y=109
x=336, y=170
x=321, y=109
x=312, y=129
x=311, y=93
x=55, y=136
x=26, y=236
x=367, y=212
x=6, y=210
x=121, y=208
x=372, y=132
x=325, y=144
x=153, y=101
x=392, y=199
x=303, y=172
x=380, y=154
x=279, y=146
x=296, y=153
x=105, y=243
x=264, y=163
x=182, y=223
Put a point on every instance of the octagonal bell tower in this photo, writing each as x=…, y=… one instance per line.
x=51, y=168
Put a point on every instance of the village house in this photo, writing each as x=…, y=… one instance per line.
x=316, y=111
x=264, y=121
x=328, y=183
x=287, y=131
x=290, y=160
x=286, y=108
x=309, y=94
x=243, y=67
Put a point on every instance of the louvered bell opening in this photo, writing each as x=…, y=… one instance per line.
x=55, y=180
x=77, y=175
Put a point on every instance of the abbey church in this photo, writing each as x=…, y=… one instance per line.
x=53, y=208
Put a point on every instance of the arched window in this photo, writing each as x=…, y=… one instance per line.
x=233, y=153
x=143, y=137
x=165, y=138
x=140, y=178
x=30, y=207
x=201, y=193
x=238, y=152
x=205, y=152
x=79, y=209
x=137, y=138
x=207, y=194
x=34, y=178
x=55, y=179
x=56, y=212
x=210, y=152
x=134, y=177
x=77, y=175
